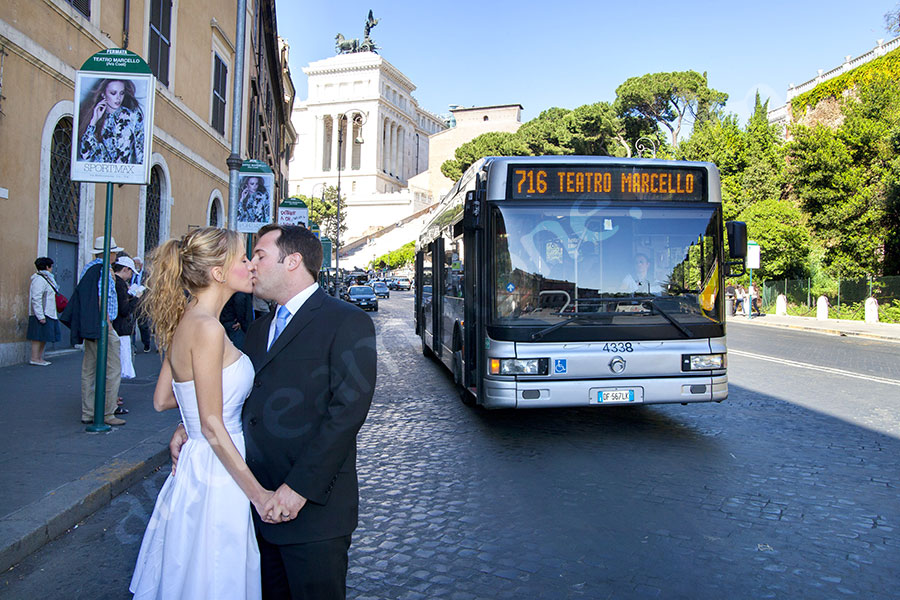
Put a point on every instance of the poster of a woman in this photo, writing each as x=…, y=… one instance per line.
x=113, y=121
x=254, y=207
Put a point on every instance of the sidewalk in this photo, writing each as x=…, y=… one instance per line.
x=52, y=473
x=877, y=331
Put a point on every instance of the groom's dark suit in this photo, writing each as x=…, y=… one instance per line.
x=311, y=394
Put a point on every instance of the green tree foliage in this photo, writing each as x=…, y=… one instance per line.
x=667, y=98
x=401, y=257
x=495, y=143
x=324, y=213
x=778, y=226
x=844, y=178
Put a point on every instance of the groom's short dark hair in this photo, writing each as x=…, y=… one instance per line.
x=294, y=238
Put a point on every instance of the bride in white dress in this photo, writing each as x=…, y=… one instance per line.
x=200, y=541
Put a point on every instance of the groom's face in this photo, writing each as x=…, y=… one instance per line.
x=268, y=270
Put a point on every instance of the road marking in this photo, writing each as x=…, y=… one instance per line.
x=793, y=363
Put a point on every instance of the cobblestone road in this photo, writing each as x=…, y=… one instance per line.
x=763, y=496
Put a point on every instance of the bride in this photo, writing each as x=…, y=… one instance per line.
x=200, y=541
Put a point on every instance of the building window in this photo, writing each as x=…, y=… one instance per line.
x=152, y=213
x=220, y=81
x=64, y=193
x=160, y=40
x=82, y=6
x=485, y=117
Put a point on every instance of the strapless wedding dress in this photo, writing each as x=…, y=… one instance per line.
x=200, y=541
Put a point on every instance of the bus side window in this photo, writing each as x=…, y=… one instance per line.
x=453, y=268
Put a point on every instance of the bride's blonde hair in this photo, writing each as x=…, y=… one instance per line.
x=180, y=269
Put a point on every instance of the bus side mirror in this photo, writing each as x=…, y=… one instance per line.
x=737, y=239
x=472, y=212
x=737, y=248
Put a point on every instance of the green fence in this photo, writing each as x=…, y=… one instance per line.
x=846, y=297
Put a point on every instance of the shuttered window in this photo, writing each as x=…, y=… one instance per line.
x=82, y=6
x=160, y=39
x=220, y=82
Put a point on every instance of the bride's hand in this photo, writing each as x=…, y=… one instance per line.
x=261, y=503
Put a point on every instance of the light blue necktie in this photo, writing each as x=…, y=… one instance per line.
x=281, y=318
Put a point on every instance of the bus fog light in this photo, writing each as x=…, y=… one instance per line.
x=520, y=366
x=702, y=362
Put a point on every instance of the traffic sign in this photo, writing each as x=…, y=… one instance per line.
x=752, y=255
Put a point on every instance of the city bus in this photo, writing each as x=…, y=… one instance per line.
x=559, y=281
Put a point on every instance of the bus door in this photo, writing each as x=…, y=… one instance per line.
x=437, y=296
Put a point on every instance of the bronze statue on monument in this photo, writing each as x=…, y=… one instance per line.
x=349, y=46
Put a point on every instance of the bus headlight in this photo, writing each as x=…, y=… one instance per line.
x=703, y=362
x=519, y=366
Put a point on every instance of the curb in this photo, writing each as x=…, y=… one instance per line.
x=31, y=527
x=838, y=332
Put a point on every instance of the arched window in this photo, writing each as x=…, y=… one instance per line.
x=64, y=193
x=214, y=211
x=152, y=214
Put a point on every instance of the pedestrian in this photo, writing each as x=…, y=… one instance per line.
x=142, y=320
x=200, y=541
x=236, y=317
x=315, y=361
x=754, y=299
x=82, y=316
x=43, y=325
x=738, y=300
x=124, y=322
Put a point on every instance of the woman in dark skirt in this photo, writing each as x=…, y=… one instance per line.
x=43, y=325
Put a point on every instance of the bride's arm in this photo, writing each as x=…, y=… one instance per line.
x=164, y=395
x=206, y=360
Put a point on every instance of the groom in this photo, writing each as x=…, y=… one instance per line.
x=314, y=358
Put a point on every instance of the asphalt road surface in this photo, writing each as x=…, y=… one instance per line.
x=786, y=490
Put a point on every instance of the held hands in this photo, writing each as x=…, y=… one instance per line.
x=283, y=505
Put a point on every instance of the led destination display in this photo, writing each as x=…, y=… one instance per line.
x=611, y=183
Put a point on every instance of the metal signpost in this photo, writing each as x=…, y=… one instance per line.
x=113, y=132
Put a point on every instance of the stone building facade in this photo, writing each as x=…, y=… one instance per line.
x=190, y=47
x=363, y=105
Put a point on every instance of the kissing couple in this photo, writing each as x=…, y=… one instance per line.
x=274, y=428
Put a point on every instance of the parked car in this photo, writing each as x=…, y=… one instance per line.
x=402, y=283
x=363, y=296
x=381, y=290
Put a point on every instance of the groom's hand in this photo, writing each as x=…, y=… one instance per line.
x=179, y=438
x=284, y=505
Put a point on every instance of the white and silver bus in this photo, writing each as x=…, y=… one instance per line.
x=557, y=281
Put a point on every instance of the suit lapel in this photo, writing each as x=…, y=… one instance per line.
x=304, y=317
x=257, y=338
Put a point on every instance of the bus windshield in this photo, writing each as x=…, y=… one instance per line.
x=555, y=264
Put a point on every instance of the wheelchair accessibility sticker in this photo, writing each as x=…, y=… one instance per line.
x=559, y=366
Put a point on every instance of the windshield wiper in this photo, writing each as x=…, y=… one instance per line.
x=575, y=317
x=654, y=303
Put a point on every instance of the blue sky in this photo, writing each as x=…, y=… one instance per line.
x=573, y=52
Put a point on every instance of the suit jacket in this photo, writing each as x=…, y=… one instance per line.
x=310, y=396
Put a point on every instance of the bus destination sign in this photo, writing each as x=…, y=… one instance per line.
x=607, y=183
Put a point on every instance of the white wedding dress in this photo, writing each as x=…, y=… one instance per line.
x=200, y=541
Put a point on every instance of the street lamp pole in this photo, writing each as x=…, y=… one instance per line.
x=358, y=118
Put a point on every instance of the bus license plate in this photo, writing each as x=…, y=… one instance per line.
x=612, y=396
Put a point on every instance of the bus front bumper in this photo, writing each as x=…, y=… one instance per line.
x=506, y=393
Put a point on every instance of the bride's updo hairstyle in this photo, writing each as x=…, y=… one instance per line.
x=180, y=269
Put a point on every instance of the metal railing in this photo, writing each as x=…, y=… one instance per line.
x=846, y=297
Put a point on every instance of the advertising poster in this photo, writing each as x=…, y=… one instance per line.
x=113, y=127
x=255, y=200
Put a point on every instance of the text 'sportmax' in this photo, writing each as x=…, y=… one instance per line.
x=612, y=183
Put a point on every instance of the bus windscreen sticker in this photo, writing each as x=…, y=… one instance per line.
x=560, y=366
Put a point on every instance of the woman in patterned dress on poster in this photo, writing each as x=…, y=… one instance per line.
x=111, y=124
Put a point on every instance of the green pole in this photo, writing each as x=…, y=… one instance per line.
x=100, y=379
x=749, y=297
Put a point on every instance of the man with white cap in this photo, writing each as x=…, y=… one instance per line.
x=82, y=316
